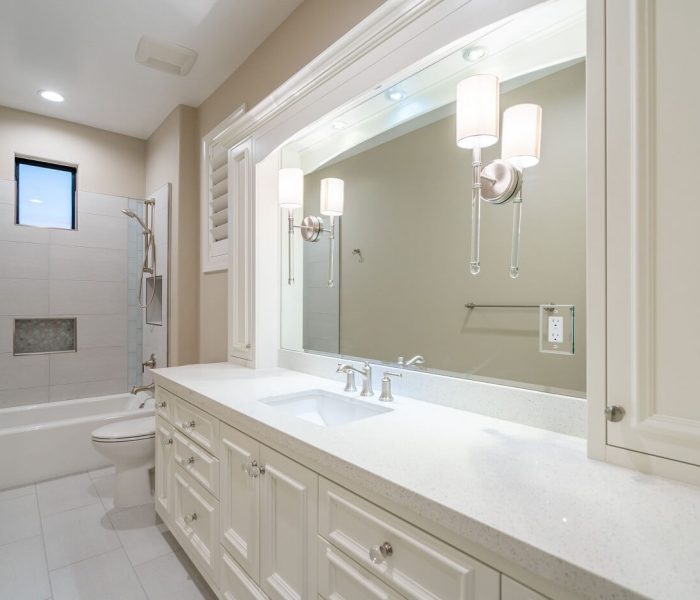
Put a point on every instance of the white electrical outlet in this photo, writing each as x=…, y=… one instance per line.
x=555, y=331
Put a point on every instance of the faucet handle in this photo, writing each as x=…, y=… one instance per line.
x=386, y=395
x=349, y=377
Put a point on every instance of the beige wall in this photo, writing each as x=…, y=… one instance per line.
x=407, y=208
x=171, y=157
x=108, y=163
x=310, y=29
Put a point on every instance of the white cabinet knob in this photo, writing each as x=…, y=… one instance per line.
x=187, y=461
x=377, y=554
x=161, y=404
x=191, y=517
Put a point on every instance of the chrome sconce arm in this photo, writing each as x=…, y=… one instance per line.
x=500, y=181
x=291, y=196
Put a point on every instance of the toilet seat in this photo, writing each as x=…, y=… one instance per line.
x=126, y=431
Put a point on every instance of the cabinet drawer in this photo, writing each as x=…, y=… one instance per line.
x=340, y=578
x=201, y=465
x=234, y=583
x=512, y=590
x=165, y=403
x=196, y=516
x=197, y=425
x=416, y=564
x=164, y=463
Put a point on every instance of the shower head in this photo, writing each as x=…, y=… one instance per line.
x=132, y=215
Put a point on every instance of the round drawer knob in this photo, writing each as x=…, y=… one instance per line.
x=377, y=554
x=191, y=517
x=160, y=404
x=188, y=424
x=187, y=461
x=167, y=441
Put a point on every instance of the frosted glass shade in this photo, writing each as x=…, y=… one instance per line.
x=478, y=111
x=291, y=188
x=522, y=132
x=332, y=196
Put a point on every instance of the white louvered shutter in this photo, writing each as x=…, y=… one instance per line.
x=218, y=207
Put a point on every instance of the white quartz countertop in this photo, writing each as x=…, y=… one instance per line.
x=530, y=495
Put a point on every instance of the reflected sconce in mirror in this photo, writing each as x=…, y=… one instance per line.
x=500, y=181
x=291, y=196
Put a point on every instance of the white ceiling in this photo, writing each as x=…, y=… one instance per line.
x=84, y=49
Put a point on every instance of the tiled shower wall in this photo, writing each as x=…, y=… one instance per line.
x=61, y=273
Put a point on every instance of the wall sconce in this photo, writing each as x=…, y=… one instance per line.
x=291, y=196
x=478, y=99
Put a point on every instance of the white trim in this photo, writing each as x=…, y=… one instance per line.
x=210, y=262
x=240, y=236
x=596, y=268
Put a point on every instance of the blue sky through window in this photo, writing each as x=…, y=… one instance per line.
x=45, y=196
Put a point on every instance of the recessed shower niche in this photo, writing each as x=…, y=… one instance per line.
x=44, y=335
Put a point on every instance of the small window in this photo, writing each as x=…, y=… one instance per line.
x=45, y=194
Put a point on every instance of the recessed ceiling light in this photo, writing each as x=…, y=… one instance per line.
x=339, y=124
x=395, y=95
x=51, y=96
x=474, y=53
x=36, y=201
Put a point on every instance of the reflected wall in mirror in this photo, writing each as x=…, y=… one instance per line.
x=403, y=244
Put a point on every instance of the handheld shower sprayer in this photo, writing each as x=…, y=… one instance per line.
x=149, y=247
x=132, y=215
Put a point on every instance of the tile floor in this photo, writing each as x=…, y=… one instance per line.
x=64, y=540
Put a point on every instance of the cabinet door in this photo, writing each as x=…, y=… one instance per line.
x=240, y=519
x=653, y=215
x=288, y=510
x=512, y=590
x=196, y=517
x=164, y=465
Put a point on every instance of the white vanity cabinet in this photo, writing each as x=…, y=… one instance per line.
x=164, y=459
x=645, y=99
x=261, y=526
x=269, y=507
x=417, y=565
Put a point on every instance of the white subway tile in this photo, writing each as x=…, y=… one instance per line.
x=24, y=297
x=88, y=298
x=23, y=371
x=10, y=232
x=96, y=231
x=100, y=331
x=24, y=396
x=93, y=364
x=101, y=204
x=24, y=260
x=80, y=263
x=87, y=389
x=6, y=333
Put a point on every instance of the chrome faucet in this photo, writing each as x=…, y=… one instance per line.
x=416, y=360
x=349, y=377
x=150, y=363
x=366, y=373
x=151, y=387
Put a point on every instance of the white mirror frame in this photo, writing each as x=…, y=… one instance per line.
x=400, y=37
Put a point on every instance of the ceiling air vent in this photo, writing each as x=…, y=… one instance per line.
x=165, y=56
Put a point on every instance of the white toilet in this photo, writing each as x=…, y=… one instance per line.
x=130, y=445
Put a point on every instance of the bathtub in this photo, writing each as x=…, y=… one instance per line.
x=43, y=441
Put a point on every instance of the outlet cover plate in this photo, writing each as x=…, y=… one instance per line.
x=557, y=329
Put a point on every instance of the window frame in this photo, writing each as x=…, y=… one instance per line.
x=33, y=162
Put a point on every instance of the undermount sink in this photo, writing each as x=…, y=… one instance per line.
x=324, y=408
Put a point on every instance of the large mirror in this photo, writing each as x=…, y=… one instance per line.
x=377, y=266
